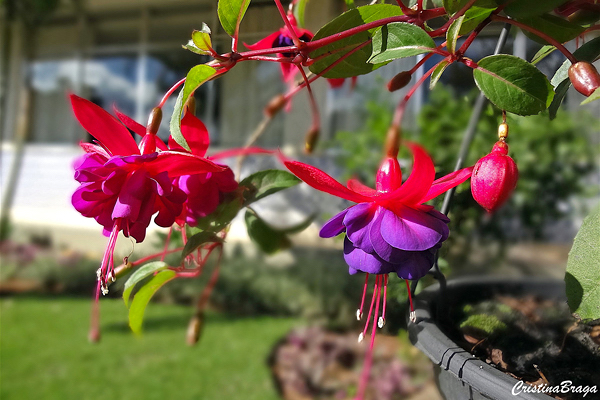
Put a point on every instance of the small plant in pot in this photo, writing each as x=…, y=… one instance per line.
x=390, y=228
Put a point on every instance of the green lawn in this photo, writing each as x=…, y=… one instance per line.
x=44, y=353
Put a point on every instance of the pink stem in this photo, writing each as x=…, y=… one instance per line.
x=371, y=306
x=362, y=302
x=170, y=92
x=287, y=23
x=364, y=379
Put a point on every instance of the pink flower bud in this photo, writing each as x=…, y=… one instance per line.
x=494, y=178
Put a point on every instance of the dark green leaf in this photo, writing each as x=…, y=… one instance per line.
x=530, y=8
x=437, y=73
x=194, y=79
x=231, y=13
x=558, y=28
x=583, y=275
x=143, y=296
x=452, y=34
x=264, y=183
x=268, y=239
x=513, y=84
x=355, y=64
x=198, y=240
x=298, y=228
x=542, y=53
x=141, y=273
x=399, y=40
x=299, y=10
x=559, y=94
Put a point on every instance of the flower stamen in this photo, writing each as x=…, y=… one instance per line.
x=359, y=312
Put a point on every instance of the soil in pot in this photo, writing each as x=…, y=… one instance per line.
x=532, y=339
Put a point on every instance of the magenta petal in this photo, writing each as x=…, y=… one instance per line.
x=358, y=222
x=334, y=226
x=412, y=230
x=195, y=134
x=365, y=262
x=133, y=194
x=447, y=182
x=265, y=43
x=104, y=127
x=178, y=164
x=130, y=123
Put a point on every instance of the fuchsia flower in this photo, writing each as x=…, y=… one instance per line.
x=283, y=38
x=390, y=229
x=203, y=190
x=123, y=185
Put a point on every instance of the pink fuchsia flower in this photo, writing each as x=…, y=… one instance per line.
x=204, y=191
x=123, y=187
x=390, y=229
x=283, y=38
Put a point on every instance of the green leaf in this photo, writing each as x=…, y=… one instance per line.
x=231, y=13
x=592, y=97
x=298, y=228
x=194, y=79
x=143, y=296
x=299, y=10
x=264, y=183
x=513, y=84
x=399, y=40
x=559, y=94
x=452, y=34
x=542, y=53
x=141, y=273
x=556, y=27
x=350, y=3
x=198, y=240
x=530, y=8
x=476, y=14
x=201, y=39
x=583, y=275
x=355, y=64
x=437, y=73
x=267, y=238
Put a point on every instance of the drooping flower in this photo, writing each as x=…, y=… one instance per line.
x=122, y=186
x=283, y=38
x=390, y=229
x=203, y=190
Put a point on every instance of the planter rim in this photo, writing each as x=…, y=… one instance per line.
x=449, y=356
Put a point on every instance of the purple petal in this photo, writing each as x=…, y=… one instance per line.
x=358, y=222
x=334, y=226
x=416, y=264
x=365, y=262
x=382, y=248
x=411, y=230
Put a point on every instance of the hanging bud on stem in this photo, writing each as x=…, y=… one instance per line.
x=494, y=177
x=399, y=81
x=275, y=105
x=154, y=121
x=584, y=77
x=310, y=141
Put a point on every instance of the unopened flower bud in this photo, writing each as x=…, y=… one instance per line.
x=275, y=105
x=191, y=106
x=154, y=121
x=584, y=77
x=312, y=136
x=194, y=329
x=494, y=178
x=399, y=81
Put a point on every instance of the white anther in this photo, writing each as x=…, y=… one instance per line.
x=380, y=322
x=99, y=273
x=104, y=289
x=361, y=337
x=359, y=315
x=413, y=317
x=111, y=276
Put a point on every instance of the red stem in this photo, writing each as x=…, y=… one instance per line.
x=170, y=92
x=287, y=23
x=542, y=35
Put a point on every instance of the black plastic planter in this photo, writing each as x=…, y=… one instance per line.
x=459, y=374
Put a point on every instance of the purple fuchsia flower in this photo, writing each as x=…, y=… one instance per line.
x=122, y=186
x=390, y=229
